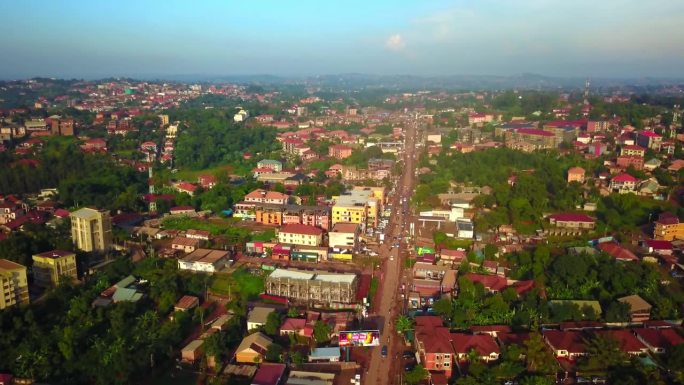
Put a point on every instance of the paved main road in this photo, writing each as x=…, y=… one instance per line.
x=383, y=370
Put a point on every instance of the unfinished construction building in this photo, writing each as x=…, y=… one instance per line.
x=315, y=288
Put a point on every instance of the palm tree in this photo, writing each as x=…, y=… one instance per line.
x=403, y=324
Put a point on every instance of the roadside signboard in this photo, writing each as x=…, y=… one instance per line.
x=360, y=338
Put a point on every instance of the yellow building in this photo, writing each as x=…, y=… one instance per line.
x=355, y=213
x=362, y=205
x=379, y=193
x=668, y=227
x=91, y=230
x=13, y=284
x=49, y=266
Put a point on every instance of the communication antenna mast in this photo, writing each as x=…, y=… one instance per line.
x=150, y=182
x=676, y=114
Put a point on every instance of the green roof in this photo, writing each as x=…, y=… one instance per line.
x=123, y=294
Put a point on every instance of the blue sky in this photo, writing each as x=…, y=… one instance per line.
x=597, y=38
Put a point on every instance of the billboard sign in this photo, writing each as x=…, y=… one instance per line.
x=424, y=250
x=360, y=338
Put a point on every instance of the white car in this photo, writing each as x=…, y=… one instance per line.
x=391, y=258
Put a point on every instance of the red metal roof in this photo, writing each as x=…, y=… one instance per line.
x=627, y=341
x=624, y=177
x=483, y=344
x=616, y=251
x=298, y=228
x=268, y=374
x=534, y=131
x=572, y=342
x=572, y=217
x=649, y=134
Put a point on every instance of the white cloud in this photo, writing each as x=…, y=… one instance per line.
x=395, y=43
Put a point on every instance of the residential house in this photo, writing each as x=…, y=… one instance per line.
x=182, y=210
x=264, y=196
x=202, y=235
x=572, y=221
x=258, y=317
x=52, y=266
x=484, y=345
x=565, y=344
x=639, y=309
x=623, y=183
x=13, y=284
x=576, y=174
x=186, y=245
x=452, y=256
x=206, y=181
x=204, y=260
x=616, y=251
x=185, y=187
x=657, y=247
x=659, y=341
x=652, y=164
x=269, y=374
x=627, y=341
x=253, y=348
x=186, y=303
x=491, y=283
x=299, y=234
x=325, y=354
x=293, y=326
x=273, y=165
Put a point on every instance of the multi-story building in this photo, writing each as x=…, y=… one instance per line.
x=358, y=206
x=263, y=196
x=649, y=139
x=91, y=230
x=433, y=345
x=331, y=289
x=344, y=236
x=340, y=151
x=623, y=183
x=13, y=284
x=318, y=216
x=668, y=227
x=268, y=214
x=49, y=267
x=298, y=234
x=597, y=125
x=632, y=150
x=274, y=165
x=626, y=161
x=527, y=139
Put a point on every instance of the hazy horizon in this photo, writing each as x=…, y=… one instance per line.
x=81, y=39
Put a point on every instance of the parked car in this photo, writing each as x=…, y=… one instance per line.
x=409, y=354
x=383, y=352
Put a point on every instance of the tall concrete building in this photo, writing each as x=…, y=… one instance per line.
x=91, y=230
x=13, y=284
x=49, y=267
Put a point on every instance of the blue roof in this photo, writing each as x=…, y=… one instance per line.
x=333, y=351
